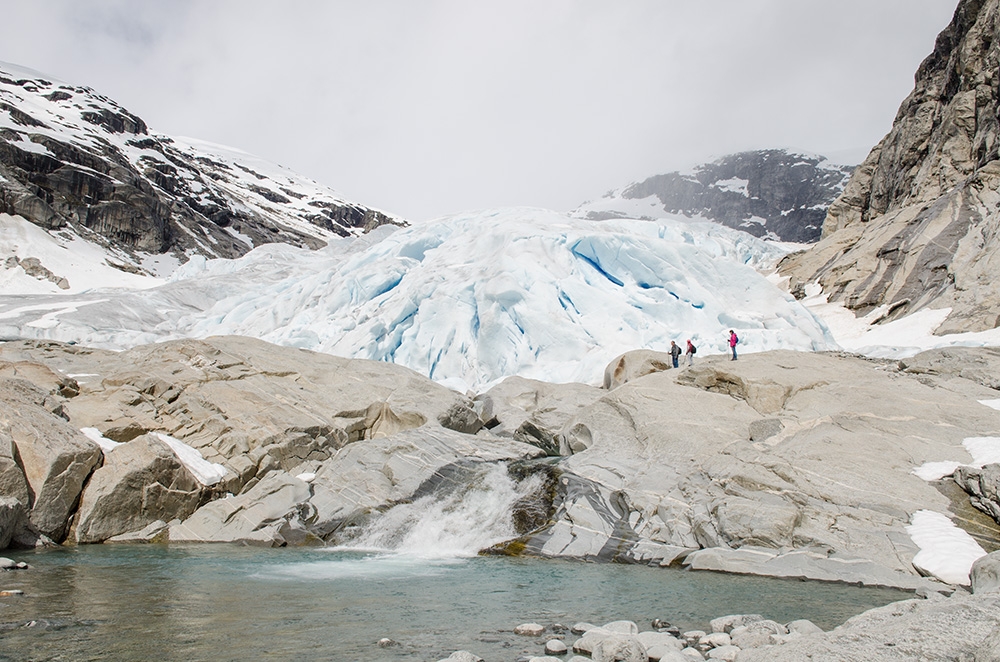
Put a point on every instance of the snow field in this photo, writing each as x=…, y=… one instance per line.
x=946, y=551
x=206, y=473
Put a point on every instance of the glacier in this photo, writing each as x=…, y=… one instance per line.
x=466, y=299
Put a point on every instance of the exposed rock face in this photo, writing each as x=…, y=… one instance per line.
x=977, y=364
x=983, y=486
x=270, y=415
x=70, y=157
x=957, y=628
x=782, y=463
x=55, y=457
x=534, y=412
x=139, y=482
x=273, y=512
x=917, y=225
x=768, y=193
x=13, y=518
x=244, y=403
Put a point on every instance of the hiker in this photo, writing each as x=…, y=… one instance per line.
x=675, y=353
x=733, y=339
x=691, y=349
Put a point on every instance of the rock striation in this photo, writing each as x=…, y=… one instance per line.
x=70, y=158
x=782, y=464
x=917, y=224
x=770, y=193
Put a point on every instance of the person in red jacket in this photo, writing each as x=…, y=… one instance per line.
x=733, y=339
x=691, y=349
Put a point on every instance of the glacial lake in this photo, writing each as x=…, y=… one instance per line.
x=226, y=602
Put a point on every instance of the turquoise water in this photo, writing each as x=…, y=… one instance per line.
x=221, y=602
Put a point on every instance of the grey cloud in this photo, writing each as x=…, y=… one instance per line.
x=427, y=108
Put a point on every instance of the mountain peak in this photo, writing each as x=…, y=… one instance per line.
x=916, y=226
x=771, y=193
x=72, y=159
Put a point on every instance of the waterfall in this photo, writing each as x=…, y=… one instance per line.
x=457, y=519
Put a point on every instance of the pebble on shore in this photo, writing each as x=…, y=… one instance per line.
x=11, y=564
x=622, y=640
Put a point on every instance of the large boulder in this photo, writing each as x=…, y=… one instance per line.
x=958, y=628
x=55, y=457
x=13, y=519
x=633, y=364
x=140, y=482
x=985, y=574
x=983, y=487
x=13, y=484
x=622, y=648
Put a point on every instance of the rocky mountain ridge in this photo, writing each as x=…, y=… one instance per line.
x=917, y=225
x=774, y=194
x=72, y=159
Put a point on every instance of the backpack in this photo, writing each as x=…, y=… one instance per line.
x=736, y=338
x=694, y=350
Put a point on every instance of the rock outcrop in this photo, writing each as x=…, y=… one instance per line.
x=769, y=193
x=53, y=458
x=72, y=158
x=534, y=412
x=274, y=419
x=917, y=225
x=782, y=463
x=963, y=627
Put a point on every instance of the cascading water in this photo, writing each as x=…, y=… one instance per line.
x=457, y=519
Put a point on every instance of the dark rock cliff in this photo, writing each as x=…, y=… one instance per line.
x=71, y=157
x=917, y=225
x=768, y=193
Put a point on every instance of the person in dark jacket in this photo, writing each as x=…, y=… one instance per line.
x=675, y=353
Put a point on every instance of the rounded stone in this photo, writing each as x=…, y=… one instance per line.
x=555, y=647
x=530, y=630
x=985, y=574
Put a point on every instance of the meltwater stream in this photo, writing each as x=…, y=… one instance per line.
x=418, y=583
x=464, y=514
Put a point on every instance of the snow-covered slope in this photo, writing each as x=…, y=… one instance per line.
x=467, y=299
x=75, y=161
x=774, y=193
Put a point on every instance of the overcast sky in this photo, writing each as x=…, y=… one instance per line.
x=429, y=107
